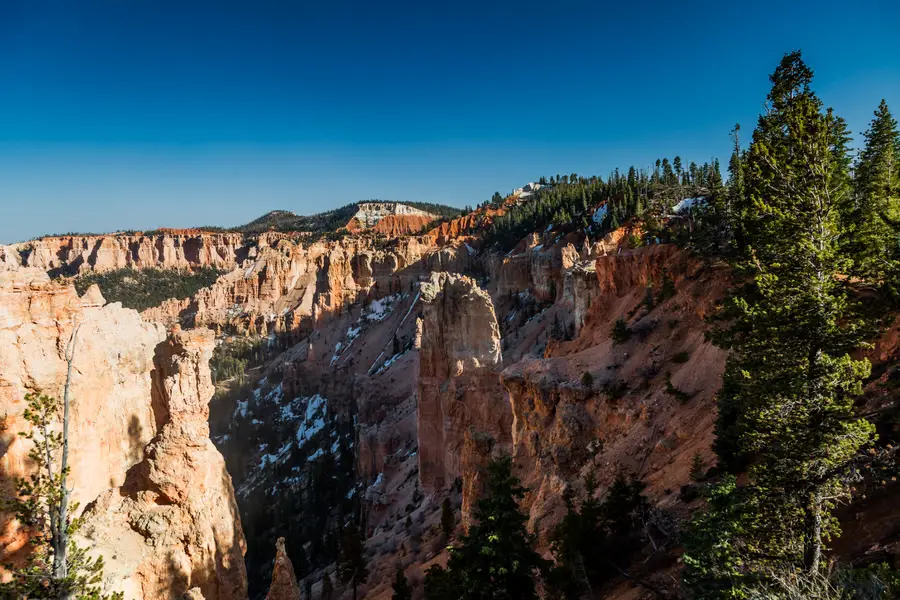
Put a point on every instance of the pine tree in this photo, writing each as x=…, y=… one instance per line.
x=596, y=541
x=496, y=559
x=876, y=218
x=697, y=467
x=729, y=224
x=57, y=567
x=786, y=405
x=327, y=588
x=448, y=521
x=352, y=564
x=402, y=591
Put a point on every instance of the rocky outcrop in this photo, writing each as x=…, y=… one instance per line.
x=70, y=255
x=290, y=286
x=459, y=393
x=397, y=225
x=580, y=290
x=284, y=582
x=538, y=268
x=158, y=501
x=112, y=416
x=170, y=313
x=646, y=405
x=370, y=214
x=173, y=524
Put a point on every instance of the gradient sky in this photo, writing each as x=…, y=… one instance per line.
x=145, y=113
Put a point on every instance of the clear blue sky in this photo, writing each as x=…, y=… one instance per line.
x=145, y=113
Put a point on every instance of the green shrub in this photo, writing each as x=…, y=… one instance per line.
x=668, y=287
x=679, y=395
x=231, y=359
x=587, y=380
x=681, y=358
x=620, y=332
x=649, y=301
x=697, y=467
x=615, y=389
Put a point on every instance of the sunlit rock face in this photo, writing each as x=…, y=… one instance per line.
x=459, y=391
x=173, y=525
x=371, y=213
x=112, y=414
x=169, y=249
x=157, y=500
x=284, y=582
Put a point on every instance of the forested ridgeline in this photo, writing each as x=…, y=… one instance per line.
x=569, y=202
x=141, y=289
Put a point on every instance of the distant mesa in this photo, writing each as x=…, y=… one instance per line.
x=370, y=213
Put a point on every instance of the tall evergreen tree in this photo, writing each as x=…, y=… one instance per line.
x=876, y=218
x=327, y=588
x=448, y=521
x=786, y=405
x=597, y=540
x=402, y=591
x=496, y=559
x=352, y=564
x=731, y=230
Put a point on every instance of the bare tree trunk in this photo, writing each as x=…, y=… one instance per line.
x=60, y=558
x=582, y=573
x=813, y=550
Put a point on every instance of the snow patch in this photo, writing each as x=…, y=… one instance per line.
x=241, y=409
x=379, y=309
x=687, y=204
x=313, y=421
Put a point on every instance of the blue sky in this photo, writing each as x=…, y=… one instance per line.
x=153, y=113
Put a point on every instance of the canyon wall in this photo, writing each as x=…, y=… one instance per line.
x=289, y=286
x=112, y=416
x=459, y=392
x=70, y=255
x=173, y=525
x=595, y=406
x=155, y=492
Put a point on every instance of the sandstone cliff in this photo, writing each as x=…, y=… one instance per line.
x=459, y=393
x=69, y=255
x=158, y=500
x=369, y=215
x=173, y=524
x=112, y=416
x=290, y=287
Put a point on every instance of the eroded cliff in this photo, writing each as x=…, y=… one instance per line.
x=156, y=496
x=112, y=415
x=175, y=249
x=173, y=524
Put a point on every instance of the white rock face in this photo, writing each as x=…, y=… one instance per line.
x=370, y=213
x=528, y=189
